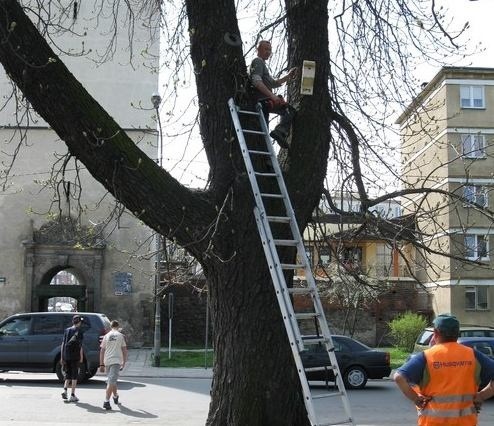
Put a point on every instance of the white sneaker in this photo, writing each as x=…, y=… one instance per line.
x=73, y=398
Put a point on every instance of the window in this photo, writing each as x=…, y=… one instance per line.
x=48, y=325
x=384, y=254
x=473, y=145
x=341, y=346
x=382, y=211
x=475, y=195
x=476, y=298
x=16, y=327
x=351, y=258
x=472, y=97
x=384, y=260
x=351, y=254
x=324, y=256
x=476, y=247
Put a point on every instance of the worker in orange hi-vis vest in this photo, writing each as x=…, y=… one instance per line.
x=443, y=381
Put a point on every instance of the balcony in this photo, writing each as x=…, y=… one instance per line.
x=380, y=271
x=385, y=270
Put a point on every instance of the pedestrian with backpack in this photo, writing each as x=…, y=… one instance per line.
x=71, y=356
x=112, y=358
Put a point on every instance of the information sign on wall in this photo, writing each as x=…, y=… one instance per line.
x=122, y=283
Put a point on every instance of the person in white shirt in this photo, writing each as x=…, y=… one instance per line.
x=112, y=358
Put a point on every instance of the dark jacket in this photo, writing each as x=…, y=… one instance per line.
x=72, y=343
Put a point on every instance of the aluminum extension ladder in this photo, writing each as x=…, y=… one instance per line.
x=271, y=245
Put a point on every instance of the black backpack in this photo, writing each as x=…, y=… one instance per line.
x=74, y=345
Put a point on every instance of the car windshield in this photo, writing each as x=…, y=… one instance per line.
x=425, y=337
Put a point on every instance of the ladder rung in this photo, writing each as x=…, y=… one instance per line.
x=253, y=132
x=253, y=151
x=243, y=111
x=300, y=290
x=268, y=195
x=291, y=243
x=327, y=395
x=279, y=219
x=306, y=315
x=291, y=266
x=265, y=174
x=326, y=367
x=343, y=422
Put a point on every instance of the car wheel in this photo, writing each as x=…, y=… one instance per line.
x=355, y=377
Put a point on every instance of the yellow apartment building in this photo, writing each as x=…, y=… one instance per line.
x=447, y=149
x=330, y=241
x=344, y=255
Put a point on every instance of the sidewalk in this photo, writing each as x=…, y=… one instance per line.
x=140, y=364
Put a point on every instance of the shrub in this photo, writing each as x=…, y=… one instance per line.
x=406, y=328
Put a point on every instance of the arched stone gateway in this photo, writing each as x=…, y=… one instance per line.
x=64, y=245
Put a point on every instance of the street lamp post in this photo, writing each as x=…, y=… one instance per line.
x=156, y=101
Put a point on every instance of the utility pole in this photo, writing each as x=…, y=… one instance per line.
x=156, y=100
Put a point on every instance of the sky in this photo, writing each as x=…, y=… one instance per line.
x=479, y=14
x=185, y=157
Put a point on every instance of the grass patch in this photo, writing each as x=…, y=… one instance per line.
x=195, y=358
x=398, y=356
x=187, y=359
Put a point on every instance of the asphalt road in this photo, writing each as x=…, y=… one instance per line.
x=35, y=399
x=28, y=399
x=380, y=403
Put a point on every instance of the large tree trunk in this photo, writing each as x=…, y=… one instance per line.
x=255, y=382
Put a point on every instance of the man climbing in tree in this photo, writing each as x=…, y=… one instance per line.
x=264, y=84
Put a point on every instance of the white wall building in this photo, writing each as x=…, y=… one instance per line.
x=34, y=247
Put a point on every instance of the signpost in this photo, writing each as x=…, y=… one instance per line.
x=170, y=318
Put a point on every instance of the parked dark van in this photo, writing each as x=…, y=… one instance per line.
x=31, y=342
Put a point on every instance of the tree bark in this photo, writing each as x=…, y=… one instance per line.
x=255, y=381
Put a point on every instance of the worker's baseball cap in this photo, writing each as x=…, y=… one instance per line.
x=448, y=325
x=76, y=319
